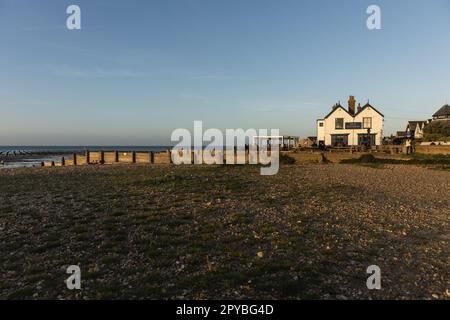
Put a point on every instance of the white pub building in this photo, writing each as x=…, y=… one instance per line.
x=361, y=126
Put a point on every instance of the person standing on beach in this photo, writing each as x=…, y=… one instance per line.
x=408, y=146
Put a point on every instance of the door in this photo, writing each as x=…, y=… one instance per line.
x=367, y=140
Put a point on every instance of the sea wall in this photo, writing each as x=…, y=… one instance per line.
x=432, y=149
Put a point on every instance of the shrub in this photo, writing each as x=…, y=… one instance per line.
x=437, y=130
x=285, y=159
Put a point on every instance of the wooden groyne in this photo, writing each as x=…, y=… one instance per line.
x=150, y=157
x=112, y=157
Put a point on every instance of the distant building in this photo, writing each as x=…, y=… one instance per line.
x=308, y=142
x=342, y=127
x=414, y=129
x=289, y=142
x=402, y=134
x=442, y=114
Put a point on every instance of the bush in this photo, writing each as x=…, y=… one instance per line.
x=285, y=159
x=368, y=158
x=437, y=130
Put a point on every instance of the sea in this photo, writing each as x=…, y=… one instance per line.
x=28, y=158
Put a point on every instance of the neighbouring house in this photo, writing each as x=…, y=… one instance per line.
x=414, y=129
x=361, y=126
x=442, y=114
x=431, y=130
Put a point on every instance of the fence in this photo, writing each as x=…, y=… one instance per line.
x=390, y=149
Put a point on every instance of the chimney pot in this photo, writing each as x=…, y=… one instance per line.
x=359, y=108
x=351, y=105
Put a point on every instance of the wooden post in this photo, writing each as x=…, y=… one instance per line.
x=102, y=157
x=224, y=154
x=133, y=157
x=116, y=156
x=74, y=159
x=42, y=164
x=53, y=163
x=152, y=157
x=169, y=154
x=88, y=157
x=63, y=161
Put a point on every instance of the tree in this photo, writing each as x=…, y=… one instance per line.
x=437, y=130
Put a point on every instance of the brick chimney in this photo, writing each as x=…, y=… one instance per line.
x=359, y=108
x=351, y=105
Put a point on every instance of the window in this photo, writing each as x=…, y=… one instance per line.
x=339, y=140
x=339, y=123
x=320, y=124
x=367, y=123
x=367, y=140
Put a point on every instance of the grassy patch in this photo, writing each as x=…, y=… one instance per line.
x=415, y=160
x=373, y=165
x=286, y=159
x=23, y=293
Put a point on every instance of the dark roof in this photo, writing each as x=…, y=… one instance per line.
x=444, y=111
x=402, y=134
x=413, y=124
x=338, y=105
x=367, y=105
x=335, y=107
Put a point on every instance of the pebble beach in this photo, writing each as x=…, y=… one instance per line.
x=225, y=232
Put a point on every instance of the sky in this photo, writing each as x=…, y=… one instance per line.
x=138, y=69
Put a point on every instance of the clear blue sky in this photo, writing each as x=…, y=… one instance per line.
x=139, y=69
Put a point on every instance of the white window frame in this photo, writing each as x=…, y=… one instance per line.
x=364, y=123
